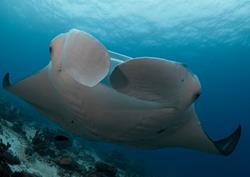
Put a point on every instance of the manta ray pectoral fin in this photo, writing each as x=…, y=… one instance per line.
x=37, y=91
x=30, y=87
x=191, y=135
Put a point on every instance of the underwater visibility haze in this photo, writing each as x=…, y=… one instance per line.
x=211, y=37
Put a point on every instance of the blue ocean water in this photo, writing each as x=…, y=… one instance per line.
x=212, y=37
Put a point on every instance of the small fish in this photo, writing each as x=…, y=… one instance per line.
x=61, y=138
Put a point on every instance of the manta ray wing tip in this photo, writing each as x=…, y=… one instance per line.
x=6, y=80
x=227, y=145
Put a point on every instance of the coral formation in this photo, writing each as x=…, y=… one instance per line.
x=28, y=149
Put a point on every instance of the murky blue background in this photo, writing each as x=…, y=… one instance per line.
x=211, y=36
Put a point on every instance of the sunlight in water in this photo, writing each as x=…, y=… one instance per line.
x=203, y=21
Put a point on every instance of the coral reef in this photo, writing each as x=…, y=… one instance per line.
x=28, y=149
x=6, y=156
x=7, y=159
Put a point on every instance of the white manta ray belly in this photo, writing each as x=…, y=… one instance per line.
x=102, y=95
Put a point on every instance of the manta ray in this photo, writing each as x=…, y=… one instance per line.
x=101, y=95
